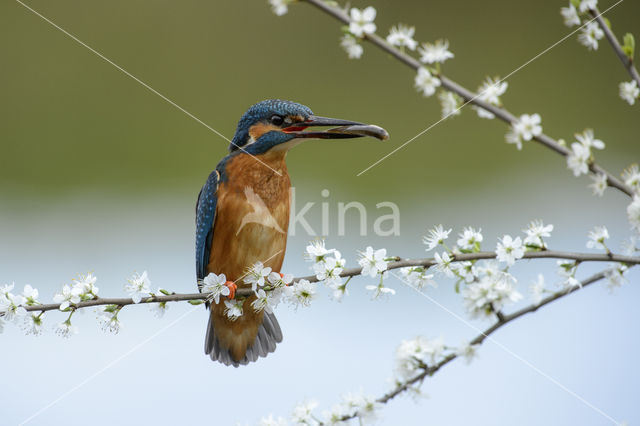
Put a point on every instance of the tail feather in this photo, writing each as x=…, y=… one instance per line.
x=269, y=335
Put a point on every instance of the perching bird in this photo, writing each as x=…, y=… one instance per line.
x=242, y=217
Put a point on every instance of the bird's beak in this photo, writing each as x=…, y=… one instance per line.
x=341, y=129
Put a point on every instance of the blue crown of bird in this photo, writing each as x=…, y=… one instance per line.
x=242, y=217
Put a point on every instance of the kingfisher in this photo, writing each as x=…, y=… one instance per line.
x=242, y=217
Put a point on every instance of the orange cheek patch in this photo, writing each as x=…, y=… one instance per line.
x=260, y=129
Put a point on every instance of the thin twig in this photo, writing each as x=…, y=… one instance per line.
x=480, y=338
x=468, y=95
x=626, y=61
x=350, y=272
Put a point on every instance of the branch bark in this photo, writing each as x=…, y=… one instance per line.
x=467, y=95
x=350, y=272
x=615, y=44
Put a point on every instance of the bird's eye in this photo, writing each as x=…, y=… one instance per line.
x=277, y=120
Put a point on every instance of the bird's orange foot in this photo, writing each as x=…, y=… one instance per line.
x=232, y=289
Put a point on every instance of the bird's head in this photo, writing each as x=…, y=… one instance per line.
x=279, y=124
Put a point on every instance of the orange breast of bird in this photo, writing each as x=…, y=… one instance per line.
x=252, y=219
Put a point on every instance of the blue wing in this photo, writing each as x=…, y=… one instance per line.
x=205, y=218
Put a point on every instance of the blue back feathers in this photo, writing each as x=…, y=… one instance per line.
x=205, y=217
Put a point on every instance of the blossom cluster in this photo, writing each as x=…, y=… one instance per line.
x=82, y=289
x=12, y=308
x=327, y=265
x=580, y=12
x=269, y=287
x=359, y=405
x=487, y=287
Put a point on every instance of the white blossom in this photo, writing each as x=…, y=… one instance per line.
x=489, y=268
x=362, y=406
x=512, y=136
x=11, y=306
x=277, y=279
x=339, y=291
x=631, y=177
x=450, y=103
x=86, y=286
x=301, y=293
x=316, y=251
x=467, y=351
x=303, y=413
x=437, y=52
x=108, y=319
x=158, y=309
x=615, y=276
x=578, y=159
x=570, y=15
x=402, y=36
x=256, y=275
x=587, y=5
x=436, y=236
x=469, y=238
x=412, y=355
x=536, y=289
x=490, y=294
x=380, y=290
x=30, y=295
x=443, y=264
x=65, y=329
x=263, y=301
x=629, y=91
x=509, y=250
x=32, y=324
x=597, y=237
x=373, y=262
x=465, y=270
x=629, y=246
x=490, y=91
x=330, y=268
x=598, y=184
x=633, y=213
x=567, y=270
x=351, y=45
x=535, y=232
x=587, y=139
x=334, y=416
x=279, y=7
x=590, y=34
x=524, y=128
x=425, y=82
x=215, y=284
x=68, y=296
x=528, y=126
x=233, y=309
x=416, y=276
x=362, y=21
x=139, y=286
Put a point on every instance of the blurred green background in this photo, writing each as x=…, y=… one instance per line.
x=99, y=174
x=71, y=122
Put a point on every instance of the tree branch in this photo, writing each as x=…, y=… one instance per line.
x=479, y=339
x=626, y=61
x=467, y=95
x=349, y=272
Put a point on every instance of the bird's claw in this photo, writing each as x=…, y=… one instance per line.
x=232, y=289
